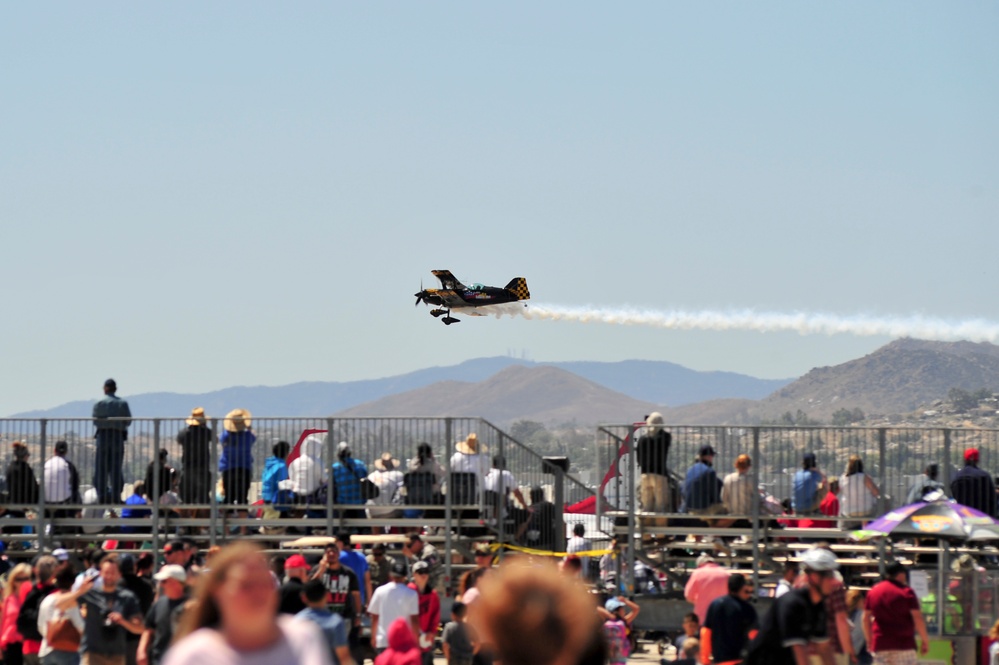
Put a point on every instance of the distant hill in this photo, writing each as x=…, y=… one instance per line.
x=898, y=378
x=540, y=393
x=649, y=381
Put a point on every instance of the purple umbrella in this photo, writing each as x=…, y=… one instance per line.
x=938, y=519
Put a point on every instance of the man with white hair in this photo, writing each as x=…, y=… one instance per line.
x=708, y=582
x=651, y=453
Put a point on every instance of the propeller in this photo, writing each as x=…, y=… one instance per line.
x=419, y=296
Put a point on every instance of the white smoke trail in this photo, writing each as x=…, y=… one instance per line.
x=805, y=323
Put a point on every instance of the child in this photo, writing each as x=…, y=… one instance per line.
x=458, y=647
x=691, y=628
x=616, y=627
x=333, y=627
x=691, y=649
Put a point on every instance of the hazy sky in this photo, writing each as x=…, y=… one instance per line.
x=198, y=195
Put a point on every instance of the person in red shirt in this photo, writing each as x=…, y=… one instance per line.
x=829, y=506
x=892, y=618
x=430, y=610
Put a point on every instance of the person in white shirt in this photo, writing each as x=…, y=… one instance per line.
x=63, y=578
x=306, y=472
x=500, y=480
x=580, y=543
x=388, y=478
x=393, y=601
x=470, y=457
x=61, y=479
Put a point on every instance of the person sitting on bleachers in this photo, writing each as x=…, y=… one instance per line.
x=347, y=475
x=306, y=471
x=388, y=479
x=924, y=485
x=470, y=457
x=424, y=462
x=809, y=486
x=539, y=530
x=167, y=476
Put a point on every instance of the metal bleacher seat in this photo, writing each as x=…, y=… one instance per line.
x=462, y=487
x=419, y=488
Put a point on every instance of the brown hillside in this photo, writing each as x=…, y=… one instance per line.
x=897, y=378
x=544, y=394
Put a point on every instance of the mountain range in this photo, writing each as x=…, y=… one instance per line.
x=898, y=378
x=645, y=381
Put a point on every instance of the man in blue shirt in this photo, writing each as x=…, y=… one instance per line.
x=702, y=488
x=809, y=487
x=356, y=561
x=333, y=626
x=111, y=418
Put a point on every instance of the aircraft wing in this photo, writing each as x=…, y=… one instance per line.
x=449, y=281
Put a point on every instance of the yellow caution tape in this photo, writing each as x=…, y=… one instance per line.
x=495, y=547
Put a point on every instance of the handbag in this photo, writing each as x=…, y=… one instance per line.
x=62, y=635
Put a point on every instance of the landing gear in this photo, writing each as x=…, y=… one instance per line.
x=437, y=312
x=448, y=320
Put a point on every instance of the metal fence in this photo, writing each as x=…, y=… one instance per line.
x=37, y=524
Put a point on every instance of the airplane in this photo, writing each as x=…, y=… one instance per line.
x=455, y=295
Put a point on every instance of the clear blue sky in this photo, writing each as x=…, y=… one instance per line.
x=198, y=195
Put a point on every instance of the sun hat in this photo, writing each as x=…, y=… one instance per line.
x=171, y=572
x=470, y=446
x=386, y=462
x=237, y=420
x=198, y=417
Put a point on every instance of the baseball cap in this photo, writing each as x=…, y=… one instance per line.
x=399, y=568
x=706, y=449
x=971, y=455
x=819, y=560
x=482, y=550
x=173, y=546
x=171, y=572
x=421, y=567
x=61, y=554
x=296, y=561
x=704, y=558
x=613, y=605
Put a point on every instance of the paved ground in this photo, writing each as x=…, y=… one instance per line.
x=651, y=655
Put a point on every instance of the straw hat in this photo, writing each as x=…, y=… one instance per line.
x=386, y=462
x=198, y=417
x=470, y=446
x=237, y=420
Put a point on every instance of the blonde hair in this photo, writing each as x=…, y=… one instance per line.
x=854, y=465
x=203, y=612
x=994, y=631
x=854, y=597
x=10, y=588
x=534, y=616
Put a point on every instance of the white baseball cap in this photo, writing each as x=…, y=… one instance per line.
x=171, y=572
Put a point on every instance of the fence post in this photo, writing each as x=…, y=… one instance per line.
x=213, y=463
x=632, y=507
x=502, y=491
x=330, y=489
x=559, y=492
x=40, y=511
x=156, y=489
x=448, y=500
x=882, y=454
x=755, y=475
x=946, y=462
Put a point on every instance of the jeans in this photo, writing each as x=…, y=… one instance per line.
x=107, y=466
x=61, y=658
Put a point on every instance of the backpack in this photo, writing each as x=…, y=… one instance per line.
x=27, y=618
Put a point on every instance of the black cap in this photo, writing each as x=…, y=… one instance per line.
x=399, y=569
x=111, y=384
x=706, y=449
x=61, y=447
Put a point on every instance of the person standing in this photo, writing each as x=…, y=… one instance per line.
x=892, y=618
x=730, y=624
x=788, y=575
x=167, y=475
x=797, y=620
x=160, y=617
x=423, y=551
x=112, y=418
x=974, y=487
x=392, y=601
x=144, y=594
x=195, y=459
x=344, y=591
x=355, y=560
x=296, y=570
x=107, y=615
x=236, y=460
x=651, y=453
x=59, y=654
x=580, y=543
x=379, y=565
x=707, y=582
x=22, y=487
x=430, y=610
x=334, y=630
